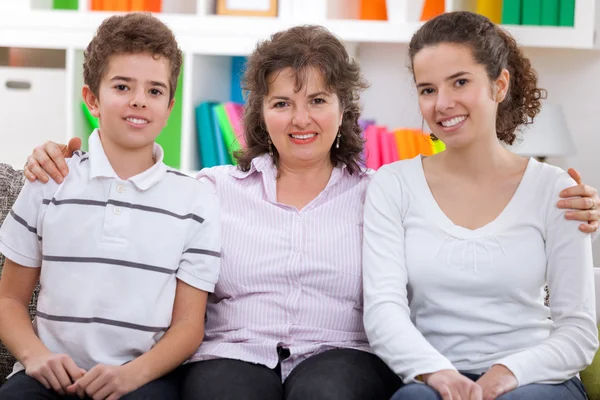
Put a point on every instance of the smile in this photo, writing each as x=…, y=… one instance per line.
x=304, y=136
x=453, y=122
x=137, y=121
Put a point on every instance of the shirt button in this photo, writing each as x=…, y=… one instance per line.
x=117, y=211
x=297, y=250
x=120, y=188
x=297, y=218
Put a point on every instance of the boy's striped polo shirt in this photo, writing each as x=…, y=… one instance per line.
x=110, y=252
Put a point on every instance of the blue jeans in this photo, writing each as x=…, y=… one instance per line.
x=569, y=390
x=22, y=387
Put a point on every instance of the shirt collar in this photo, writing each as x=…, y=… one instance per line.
x=100, y=166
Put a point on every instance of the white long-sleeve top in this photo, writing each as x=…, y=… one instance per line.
x=440, y=296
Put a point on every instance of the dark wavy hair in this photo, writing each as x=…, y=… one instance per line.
x=131, y=33
x=495, y=49
x=301, y=48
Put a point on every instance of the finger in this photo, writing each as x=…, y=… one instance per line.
x=589, y=228
x=28, y=175
x=53, y=381
x=42, y=380
x=114, y=396
x=578, y=203
x=61, y=375
x=34, y=168
x=579, y=190
x=104, y=392
x=476, y=393
x=72, y=369
x=97, y=384
x=46, y=163
x=583, y=215
x=575, y=175
x=74, y=144
x=56, y=154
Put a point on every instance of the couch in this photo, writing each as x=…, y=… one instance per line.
x=12, y=180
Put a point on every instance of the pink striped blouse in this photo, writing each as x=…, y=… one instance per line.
x=288, y=278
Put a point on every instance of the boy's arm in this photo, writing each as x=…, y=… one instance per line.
x=54, y=371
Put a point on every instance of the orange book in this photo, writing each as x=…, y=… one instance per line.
x=96, y=5
x=116, y=5
x=432, y=8
x=138, y=5
x=424, y=143
x=373, y=10
x=154, y=5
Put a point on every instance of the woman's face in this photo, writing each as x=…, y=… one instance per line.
x=456, y=97
x=302, y=124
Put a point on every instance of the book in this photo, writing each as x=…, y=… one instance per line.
x=491, y=9
x=373, y=10
x=65, y=4
x=372, y=155
x=432, y=8
x=222, y=154
x=238, y=66
x=207, y=148
x=231, y=143
x=550, y=10
x=234, y=114
x=531, y=13
x=511, y=12
x=566, y=13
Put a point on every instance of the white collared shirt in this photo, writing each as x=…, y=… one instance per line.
x=110, y=252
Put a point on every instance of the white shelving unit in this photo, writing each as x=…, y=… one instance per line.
x=208, y=42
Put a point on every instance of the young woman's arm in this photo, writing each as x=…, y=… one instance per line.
x=389, y=328
x=573, y=340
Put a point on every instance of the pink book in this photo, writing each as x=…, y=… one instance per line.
x=373, y=156
x=234, y=113
x=387, y=146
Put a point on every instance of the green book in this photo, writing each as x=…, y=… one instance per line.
x=566, y=13
x=65, y=4
x=511, y=12
x=532, y=12
x=550, y=12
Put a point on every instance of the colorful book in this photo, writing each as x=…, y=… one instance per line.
x=170, y=136
x=372, y=154
x=222, y=154
x=97, y=5
x=116, y=5
x=491, y=9
x=387, y=147
x=373, y=10
x=531, y=13
x=65, y=4
x=566, y=13
x=432, y=8
x=550, y=10
x=207, y=149
x=231, y=143
x=234, y=114
x=153, y=5
x=238, y=66
x=511, y=12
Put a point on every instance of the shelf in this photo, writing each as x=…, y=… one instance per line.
x=227, y=35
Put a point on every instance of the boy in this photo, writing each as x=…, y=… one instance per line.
x=128, y=248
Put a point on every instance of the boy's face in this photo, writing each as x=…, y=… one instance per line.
x=133, y=100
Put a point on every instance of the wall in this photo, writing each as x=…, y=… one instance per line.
x=572, y=78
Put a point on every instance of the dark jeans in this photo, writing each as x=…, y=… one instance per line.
x=335, y=374
x=569, y=390
x=22, y=387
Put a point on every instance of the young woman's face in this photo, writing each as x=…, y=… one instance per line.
x=456, y=97
x=302, y=124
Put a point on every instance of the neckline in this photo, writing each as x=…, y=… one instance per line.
x=459, y=231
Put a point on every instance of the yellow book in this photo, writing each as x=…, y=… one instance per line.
x=491, y=9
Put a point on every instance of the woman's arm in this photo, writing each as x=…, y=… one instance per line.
x=389, y=328
x=573, y=340
x=49, y=160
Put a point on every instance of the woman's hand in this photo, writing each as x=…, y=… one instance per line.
x=451, y=385
x=497, y=381
x=584, y=206
x=49, y=159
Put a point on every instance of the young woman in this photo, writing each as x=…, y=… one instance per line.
x=459, y=246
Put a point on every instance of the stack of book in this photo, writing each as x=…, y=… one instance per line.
x=126, y=5
x=538, y=12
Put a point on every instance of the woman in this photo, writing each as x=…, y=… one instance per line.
x=469, y=237
x=288, y=304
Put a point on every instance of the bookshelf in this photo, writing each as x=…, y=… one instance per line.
x=208, y=42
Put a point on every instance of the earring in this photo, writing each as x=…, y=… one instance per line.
x=337, y=143
x=270, y=147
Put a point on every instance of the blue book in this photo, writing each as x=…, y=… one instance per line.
x=207, y=148
x=238, y=65
x=221, y=151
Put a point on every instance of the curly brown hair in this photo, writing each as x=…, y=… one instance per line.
x=131, y=33
x=301, y=48
x=495, y=49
